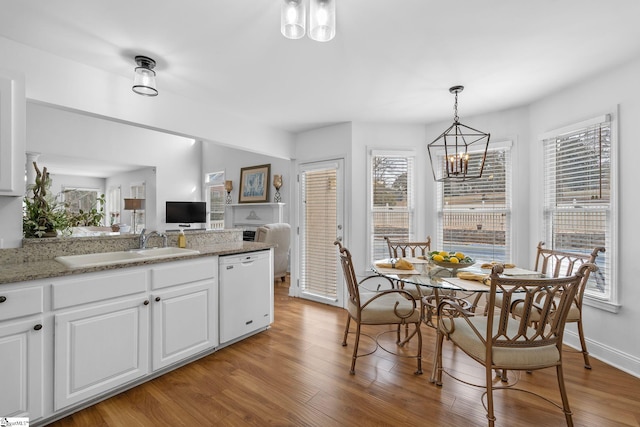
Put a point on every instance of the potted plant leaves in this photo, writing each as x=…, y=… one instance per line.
x=43, y=215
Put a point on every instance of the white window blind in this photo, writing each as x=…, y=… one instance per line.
x=217, y=196
x=578, y=197
x=318, y=273
x=474, y=216
x=391, y=208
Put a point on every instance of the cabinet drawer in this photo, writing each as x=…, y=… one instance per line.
x=97, y=287
x=180, y=272
x=21, y=302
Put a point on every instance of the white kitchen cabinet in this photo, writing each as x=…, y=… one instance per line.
x=12, y=133
x=22, y=339
x=184, y=310
x=115, y=327
x=22, y=360
x=108, y=330
x=101, y=333
x=246, y=294
x=99, y=348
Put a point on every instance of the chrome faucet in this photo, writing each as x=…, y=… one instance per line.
x=143, y=238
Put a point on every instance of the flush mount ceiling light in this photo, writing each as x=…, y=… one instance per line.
x=322, y=19
x=459, y=153
x=144, y=80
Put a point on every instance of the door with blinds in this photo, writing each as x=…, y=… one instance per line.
x=321, y=219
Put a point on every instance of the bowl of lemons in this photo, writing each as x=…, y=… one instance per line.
x=450, y=259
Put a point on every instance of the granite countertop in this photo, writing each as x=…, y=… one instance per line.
x=25, y=271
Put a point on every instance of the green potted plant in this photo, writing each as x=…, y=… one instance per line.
x=43, y=215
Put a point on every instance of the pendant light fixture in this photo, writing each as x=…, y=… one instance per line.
x=459, y=153
x=292, y=19
x=144, y=80
x=322, y=19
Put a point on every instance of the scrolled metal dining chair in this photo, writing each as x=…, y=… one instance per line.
x=555, y=263
x=404, y=248
x=501, y=341
x=377, y=307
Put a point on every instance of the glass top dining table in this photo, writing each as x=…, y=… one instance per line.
x=437, y=283
x=429, y=275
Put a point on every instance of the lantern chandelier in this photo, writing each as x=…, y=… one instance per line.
x=451, y=152
x=322, y=19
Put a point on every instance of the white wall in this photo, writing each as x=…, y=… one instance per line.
x=612, y=337
x=59, y=181
x=368, y=136
x=216, y=158
x=57, y=81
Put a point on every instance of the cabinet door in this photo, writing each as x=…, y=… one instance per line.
x=100, y=347
x=12, y=134
x=184, y=322
x=21, y=361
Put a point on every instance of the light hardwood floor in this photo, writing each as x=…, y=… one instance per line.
x=297, y=374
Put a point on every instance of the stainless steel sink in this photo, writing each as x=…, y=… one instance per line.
x=122, y=257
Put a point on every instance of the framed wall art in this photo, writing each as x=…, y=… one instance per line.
x=254, y=184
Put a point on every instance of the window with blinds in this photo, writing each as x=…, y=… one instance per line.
x=474, y=216
x=578, y=196
x=216, y=195
x=391, y=208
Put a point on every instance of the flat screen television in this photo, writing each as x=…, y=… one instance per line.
x=186, y=212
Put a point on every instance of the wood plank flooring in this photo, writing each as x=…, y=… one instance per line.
x=297, y=374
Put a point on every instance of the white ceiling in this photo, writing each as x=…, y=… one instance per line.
x=391, y=60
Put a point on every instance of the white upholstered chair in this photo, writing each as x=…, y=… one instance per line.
x=278, y=234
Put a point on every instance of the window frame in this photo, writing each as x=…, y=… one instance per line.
x=506, y=211
x=214, y=180
x=611, y=302
x=411, y=195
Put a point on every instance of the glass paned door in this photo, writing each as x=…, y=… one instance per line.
x=321, y=219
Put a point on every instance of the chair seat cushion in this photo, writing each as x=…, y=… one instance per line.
x=503, y=357
x=381, y=310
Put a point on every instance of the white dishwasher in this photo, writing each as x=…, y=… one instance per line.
x=246, y=294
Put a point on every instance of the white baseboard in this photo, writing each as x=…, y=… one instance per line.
x=609, y=355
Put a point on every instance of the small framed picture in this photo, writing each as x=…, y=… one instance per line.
x=254, y=184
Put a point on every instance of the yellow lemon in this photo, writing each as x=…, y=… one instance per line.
x=454, y=260
x=438, y=258
x=444, y=253
x=460, y=255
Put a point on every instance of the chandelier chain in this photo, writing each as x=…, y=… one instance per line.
x=456, y=119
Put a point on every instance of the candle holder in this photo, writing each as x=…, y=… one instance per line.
x=228, y=186
x=277, y=183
